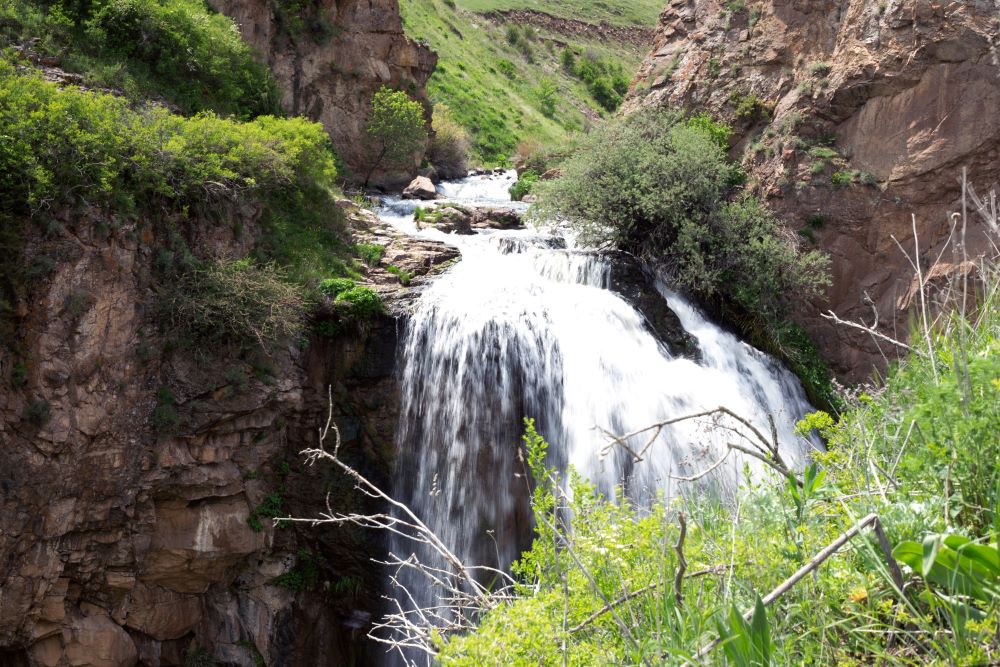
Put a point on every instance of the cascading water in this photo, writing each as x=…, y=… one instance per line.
x=524, y=327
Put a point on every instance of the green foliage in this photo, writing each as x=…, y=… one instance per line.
x=233, y=303
x=747, y=644
x=956, y=564
x=361, y=303
x=525, y=182
x=197, y=58
x=396, y=128
x=450, y=145
x=717, y=131
x=172, y=49
x=370, y=253
x=750, y=106
x=548, y=95
x=662, y=189
x=842, y=178
x=334, y=286
x=605, y=78
x=404, y=276
x=303, y=576
x=166, y=422
x=67, y=146
x=272, y=507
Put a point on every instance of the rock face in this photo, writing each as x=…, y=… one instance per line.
x=124, y=543
x=330, y=57
x=850, y=116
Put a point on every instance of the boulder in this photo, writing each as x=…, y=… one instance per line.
x=420, y=187
x=496, y=218
x=630, y=280
x=448, y=219
x=431, y=173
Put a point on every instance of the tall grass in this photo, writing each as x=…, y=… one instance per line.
x=603, y=582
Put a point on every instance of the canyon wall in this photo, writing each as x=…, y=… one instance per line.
x=851, y=116
x=123, y=542
x=329, y=58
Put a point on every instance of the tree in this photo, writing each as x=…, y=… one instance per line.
x=396, y=128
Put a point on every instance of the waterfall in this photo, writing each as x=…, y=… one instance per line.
x=526, y=326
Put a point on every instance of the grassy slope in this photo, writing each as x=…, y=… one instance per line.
x=500, y=110
x=619, y=12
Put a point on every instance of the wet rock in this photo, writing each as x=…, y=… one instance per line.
x=496, y=218
x=420, y=187
x=631, y=281
x=448, y=219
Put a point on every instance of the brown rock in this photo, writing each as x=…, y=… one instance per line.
x=333, y=81
x=420, y=187
x=908, y=90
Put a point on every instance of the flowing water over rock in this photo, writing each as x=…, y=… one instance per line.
x=526, y=326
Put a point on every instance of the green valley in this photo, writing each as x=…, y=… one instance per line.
x=514, y=82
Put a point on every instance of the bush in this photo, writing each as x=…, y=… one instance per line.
x=362, y=303
x=67, y=147
x=605, y=79
x=396, y=129
x=195, y=58
x=233, y=303
x=524, y=184
x=660, y=188
x=449, y=148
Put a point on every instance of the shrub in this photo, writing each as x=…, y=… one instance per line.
x=842, y=178
x=303, y=576
x=449, y=148
x=362, y=303
x=195, y=58
x=68, y=146
x=404, y=276
x=334, y=286
x=659, y=188
x=605, y=79
x=233, y=303
x=166, y=422
x=525, y=182
x=718, y=132
x=370, y=253
x=548, y=94
x=396, y=130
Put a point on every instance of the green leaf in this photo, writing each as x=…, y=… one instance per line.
x=932, y=544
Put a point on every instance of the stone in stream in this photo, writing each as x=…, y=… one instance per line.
x=456, y=219
x=420, y=187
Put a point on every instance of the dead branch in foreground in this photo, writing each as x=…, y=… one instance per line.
x=871, y=520
x=764, y=449
x=461, y=599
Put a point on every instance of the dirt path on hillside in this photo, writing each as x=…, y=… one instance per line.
x=604, y=32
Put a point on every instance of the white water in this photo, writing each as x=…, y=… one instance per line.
x=521, y=328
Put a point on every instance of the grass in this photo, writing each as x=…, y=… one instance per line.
x=919, y=451
x=638, y=13
x=507, y=93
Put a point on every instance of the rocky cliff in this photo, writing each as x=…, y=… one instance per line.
x=329, y=57
x=125, y=543
x=851, y=116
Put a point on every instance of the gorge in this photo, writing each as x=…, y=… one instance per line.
x=175, y=175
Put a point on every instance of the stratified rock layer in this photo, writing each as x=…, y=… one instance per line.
x=123, y=542
x=330, y=62
x=905, y=91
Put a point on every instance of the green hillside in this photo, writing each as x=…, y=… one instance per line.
x=511, y=84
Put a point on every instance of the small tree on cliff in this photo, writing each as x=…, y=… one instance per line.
x=396, y=129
